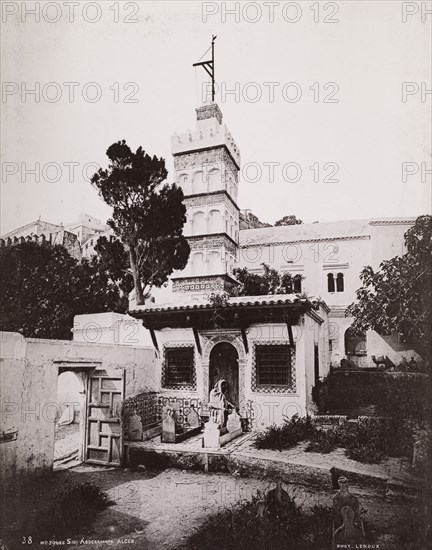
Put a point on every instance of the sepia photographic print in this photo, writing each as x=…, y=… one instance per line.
x=216, y=275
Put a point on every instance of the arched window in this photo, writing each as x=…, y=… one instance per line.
x=297, y=285
x=230, y=186
x=214, y=263
x=199, y=224
x=330, y=282
x=213, y=179
x=198, y=266
x=340, y=282
x=355, y=344
x=214, y=221
x=198, y=182
x=183, y=182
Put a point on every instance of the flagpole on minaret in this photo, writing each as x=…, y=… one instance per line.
x=209, y=66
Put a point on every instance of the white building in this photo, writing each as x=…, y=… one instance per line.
x=271, y=349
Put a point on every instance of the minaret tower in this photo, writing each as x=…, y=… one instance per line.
x=206, y=166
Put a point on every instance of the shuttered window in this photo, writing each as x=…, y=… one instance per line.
x=179, y=366
x=273, y=365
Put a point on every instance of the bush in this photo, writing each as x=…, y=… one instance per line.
x=324, y=441
x=286, y=526
x=403, y=396
x=368, y=441
x=286, y=436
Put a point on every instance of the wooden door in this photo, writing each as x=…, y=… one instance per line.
x=104, y=431
x=224, y=366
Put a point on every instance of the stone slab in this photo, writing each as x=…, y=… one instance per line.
x=178, y=437
x=152, y=431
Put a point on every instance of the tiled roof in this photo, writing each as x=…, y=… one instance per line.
x=187, y=302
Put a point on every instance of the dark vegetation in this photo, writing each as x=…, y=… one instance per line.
x=290, y=526
x=72, y=511
x=42, y=288
x=288, y=220
x=148, y=215
x=403, y=408
x=402, y=396
x=270, y=281
x=284, y=526
x=398, y=296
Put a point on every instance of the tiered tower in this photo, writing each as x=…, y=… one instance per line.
x=206, y=165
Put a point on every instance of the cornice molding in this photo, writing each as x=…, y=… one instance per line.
x=304, y=241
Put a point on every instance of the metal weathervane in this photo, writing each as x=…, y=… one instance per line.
x=209, y=66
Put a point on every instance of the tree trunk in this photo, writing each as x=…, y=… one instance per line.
x=139, y=296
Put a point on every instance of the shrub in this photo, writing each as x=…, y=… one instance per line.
x=324, y=441
x=286, y=526
x=286, y=436
x=368, y=441
x=402, y=396
x=405, y=398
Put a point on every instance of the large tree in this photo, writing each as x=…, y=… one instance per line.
x=398, y=296
x=270, y=281
x=114, y=260
x=148, y=216
x=42, y=288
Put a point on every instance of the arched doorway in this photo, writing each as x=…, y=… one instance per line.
x=224, y=365
x=70, y=419
x=355, y=344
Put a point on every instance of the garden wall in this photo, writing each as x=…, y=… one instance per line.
x=29, y=371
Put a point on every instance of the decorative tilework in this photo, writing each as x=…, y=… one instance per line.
x=144, y=405
x=270, y=388
x=191, y=386
x=219, y=155
x=181, y=406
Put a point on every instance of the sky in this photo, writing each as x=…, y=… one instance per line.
x=318, y=110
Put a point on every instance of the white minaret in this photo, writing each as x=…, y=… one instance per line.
x=206, y=165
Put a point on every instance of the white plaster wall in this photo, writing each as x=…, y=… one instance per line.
x=29, y=383
x=271, y=408
x=385, y=346
x=178, y=336
x=387, y=241
x=26, y=393
x=314, y=260
x=110, y=328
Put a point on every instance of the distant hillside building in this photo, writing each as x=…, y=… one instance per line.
x=39, y=232
x=87, y=227
x=72, y=236
x=248, y=220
